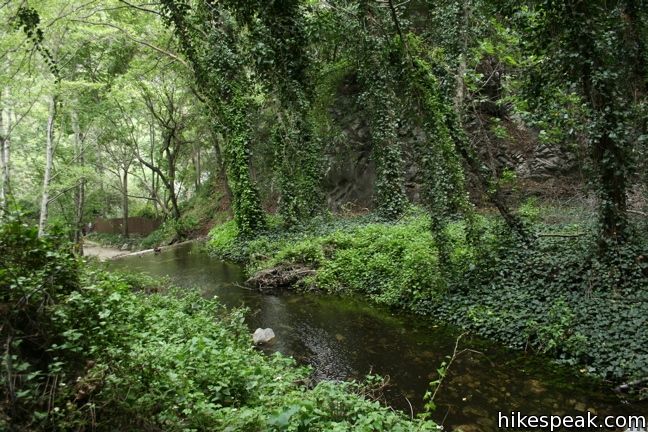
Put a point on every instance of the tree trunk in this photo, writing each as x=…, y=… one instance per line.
x=172, y=194
x=49, y=157
x=222, y=170
x=6, y=155
x=610, y=152
x=610, y=162
x=460, y=92
x=79, y=196
x=170, y=183
x=3, y=138
x=154, y=182
x=197, y=168
x=5, y=144
x=125, y=232
x=102, y=187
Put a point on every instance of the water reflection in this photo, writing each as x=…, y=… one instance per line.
x=345, y=339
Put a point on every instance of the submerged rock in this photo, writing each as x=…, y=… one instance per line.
x=262, y=336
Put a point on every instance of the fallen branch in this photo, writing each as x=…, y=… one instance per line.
x=631, y=385
x=561, y=235
x=284, y=275
x=443, y=373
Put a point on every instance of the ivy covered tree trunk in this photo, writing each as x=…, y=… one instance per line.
x=298, y=165
x=612, y=164
x=248, y=213
x=378, y=73
x=608, y=133
x=285, y=67
x=596, y=49
x=222, y=170
x=381, y=103
x=223, y=82
x=390, y=195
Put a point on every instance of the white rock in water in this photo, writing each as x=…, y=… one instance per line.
x=262, y=336
x=124, y=247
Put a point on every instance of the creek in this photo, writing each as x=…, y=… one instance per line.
x=343, y=338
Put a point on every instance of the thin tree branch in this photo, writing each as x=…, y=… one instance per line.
x=140, y=7
x=139, y=41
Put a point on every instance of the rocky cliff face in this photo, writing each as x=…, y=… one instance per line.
x=351, y=173
x=350, y=170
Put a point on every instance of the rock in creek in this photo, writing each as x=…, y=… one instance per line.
x=262, y=336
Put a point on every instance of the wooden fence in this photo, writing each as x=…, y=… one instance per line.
x=136, y=225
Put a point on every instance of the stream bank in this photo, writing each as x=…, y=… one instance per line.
x=556, y=298
x=347, y=338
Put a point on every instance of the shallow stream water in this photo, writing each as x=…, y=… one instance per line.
x=350, y=338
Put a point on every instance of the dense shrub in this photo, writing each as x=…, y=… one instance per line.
x=36, y=274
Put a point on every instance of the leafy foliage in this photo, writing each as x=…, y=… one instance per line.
x=36, y=274
x=94, y=352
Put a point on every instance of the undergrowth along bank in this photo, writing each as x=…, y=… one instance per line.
x=555, y=296
x=85, y=349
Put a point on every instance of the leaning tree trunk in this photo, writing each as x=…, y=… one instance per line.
x=49, y=157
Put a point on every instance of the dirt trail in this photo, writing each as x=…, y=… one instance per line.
x=102, y=252
x=107, y=253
